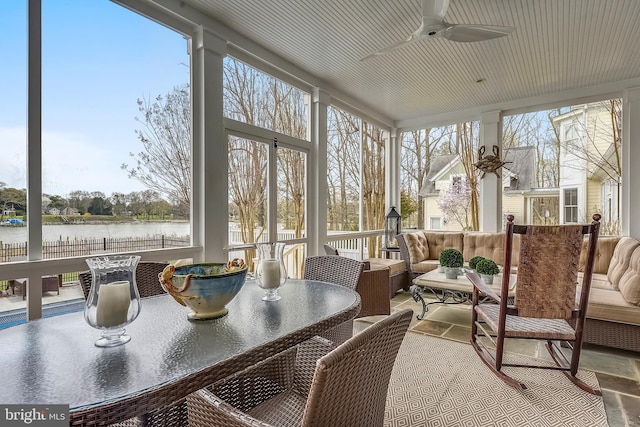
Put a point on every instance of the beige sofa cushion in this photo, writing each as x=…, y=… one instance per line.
x=604, y=252
x=620, y=259
x=417, y=246
x=629, y=283
x=487, y=245
x=599, y=281
x=439, y=241
x=611, y=306
x=395, y=266
x=425, y=266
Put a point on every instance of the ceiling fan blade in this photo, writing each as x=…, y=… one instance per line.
x=434, y=10
x=475, y=33
x=411, y=39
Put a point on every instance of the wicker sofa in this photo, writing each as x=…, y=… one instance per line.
x=613, y=314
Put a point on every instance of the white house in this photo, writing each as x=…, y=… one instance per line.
x=590, y=169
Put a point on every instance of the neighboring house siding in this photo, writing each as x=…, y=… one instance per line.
x=513, y=204
x=586, y=136
x=432, y=210
x=594, y=197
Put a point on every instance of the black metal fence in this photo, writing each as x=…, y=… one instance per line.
x=82, y=247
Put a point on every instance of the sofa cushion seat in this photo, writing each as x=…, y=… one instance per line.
x=395, y=266
x=610, y=305
x=424, y=266
x=598, y=281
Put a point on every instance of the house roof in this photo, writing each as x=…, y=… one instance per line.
x=518, y=171
x=437, y=167
x=560, y=50
x=519, y=167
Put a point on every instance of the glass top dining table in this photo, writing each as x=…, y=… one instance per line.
x=54, y=360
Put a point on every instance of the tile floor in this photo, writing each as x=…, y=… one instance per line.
x=618, y=371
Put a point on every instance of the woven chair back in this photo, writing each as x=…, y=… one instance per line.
x=333, y=269
x=548, y=271
x=350, y=384
x=146, y=279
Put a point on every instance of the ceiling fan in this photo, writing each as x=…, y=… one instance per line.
x=434, y=26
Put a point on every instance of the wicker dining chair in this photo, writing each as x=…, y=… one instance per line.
x=548, y=305
x=339, y=270
x=146, y=279
x=347, y=386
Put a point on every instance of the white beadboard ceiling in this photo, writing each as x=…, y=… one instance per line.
x=558, y=45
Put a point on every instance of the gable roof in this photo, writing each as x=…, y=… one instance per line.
x=437, y=167
x=519, y=169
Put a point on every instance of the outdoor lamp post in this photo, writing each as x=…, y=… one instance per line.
x=393, y=227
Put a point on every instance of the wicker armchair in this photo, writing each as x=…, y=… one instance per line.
x=347, y=386
x=547, y=301
x=146, y=279
x=339, y=270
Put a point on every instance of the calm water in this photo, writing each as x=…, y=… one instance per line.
x=72, y=231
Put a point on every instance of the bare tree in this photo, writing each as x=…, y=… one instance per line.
x=373, y=191
x=343, y=164
x=415, y=162
x=247, y=186
x=261, y=100
x=467, y=137
x=164, y=165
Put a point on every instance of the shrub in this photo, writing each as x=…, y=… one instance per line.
x=451, y=258
x=487, y=266
x=473, y=262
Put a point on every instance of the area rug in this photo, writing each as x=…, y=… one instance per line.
x=439, y=382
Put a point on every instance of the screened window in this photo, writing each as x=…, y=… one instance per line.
x=256, y=98
x=355, y=176
x=111, y=132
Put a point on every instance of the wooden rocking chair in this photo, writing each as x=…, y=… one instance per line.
x=548, y=304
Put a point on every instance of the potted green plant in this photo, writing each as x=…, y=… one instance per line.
x=473, y=262
x=487, y=269
x=451, y=259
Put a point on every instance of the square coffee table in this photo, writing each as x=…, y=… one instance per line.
x=450, y=291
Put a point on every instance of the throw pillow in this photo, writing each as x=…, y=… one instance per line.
x=630, y=281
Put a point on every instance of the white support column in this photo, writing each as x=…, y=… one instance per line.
x=317, y=168
x=490, y=191
x=209, y=210
x=392, y=171
x=630, y=203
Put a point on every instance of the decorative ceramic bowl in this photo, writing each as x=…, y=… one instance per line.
x=205, y=288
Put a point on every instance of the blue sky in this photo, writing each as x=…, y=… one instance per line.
x=98, y=59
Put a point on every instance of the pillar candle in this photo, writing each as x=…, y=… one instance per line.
x=113, y=304
x=270, y=273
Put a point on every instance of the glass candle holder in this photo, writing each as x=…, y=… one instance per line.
x=271, y=272
x=113, y=301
